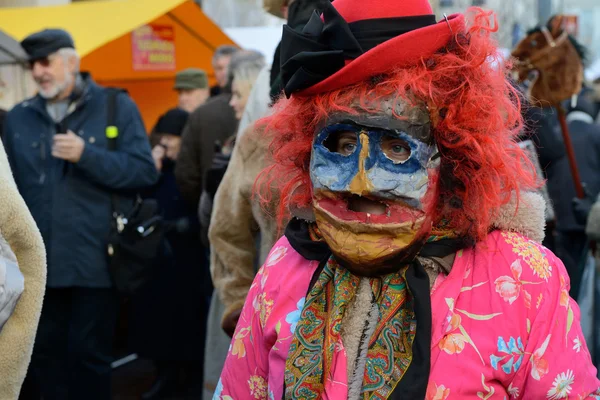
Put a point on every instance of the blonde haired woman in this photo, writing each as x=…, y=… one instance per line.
x=244, y=70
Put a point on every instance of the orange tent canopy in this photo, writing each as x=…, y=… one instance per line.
x=107, y=36
x=195, y=38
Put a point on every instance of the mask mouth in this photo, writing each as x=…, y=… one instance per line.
x=367, y=209
x=367, y=205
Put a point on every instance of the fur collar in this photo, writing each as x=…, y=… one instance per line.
x=527, y=219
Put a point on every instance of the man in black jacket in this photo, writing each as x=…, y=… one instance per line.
x=57, y=147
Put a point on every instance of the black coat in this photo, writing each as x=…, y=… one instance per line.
x=208, y=127
x=169, y=314
x=586, y=144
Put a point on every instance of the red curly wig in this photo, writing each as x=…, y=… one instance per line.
x=475, y=114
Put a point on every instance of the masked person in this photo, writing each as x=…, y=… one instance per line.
x=419, y=273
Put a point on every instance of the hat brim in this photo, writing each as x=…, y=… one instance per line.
x=187, y=87
x=401, y=51
x=37, y=55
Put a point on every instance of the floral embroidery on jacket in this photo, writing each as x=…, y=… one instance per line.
x=509, y=288
x=561, y=386
x=531, y=253
x=514, y=351
x=258, y=387
x=505, y=345
x=435, y=392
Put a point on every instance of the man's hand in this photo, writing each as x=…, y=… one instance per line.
x=158, y=154
x=68, y=146
x=582, y=207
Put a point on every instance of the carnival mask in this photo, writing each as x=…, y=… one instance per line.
x=370, y=174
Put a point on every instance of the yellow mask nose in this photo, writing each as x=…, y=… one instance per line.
x=361, y=185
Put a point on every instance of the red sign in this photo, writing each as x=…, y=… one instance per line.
x=153, y=48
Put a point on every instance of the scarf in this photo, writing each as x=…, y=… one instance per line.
x=398, y=355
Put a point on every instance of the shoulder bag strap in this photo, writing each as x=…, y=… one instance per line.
x=112, y=133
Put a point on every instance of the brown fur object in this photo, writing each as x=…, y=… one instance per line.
x=555, y=59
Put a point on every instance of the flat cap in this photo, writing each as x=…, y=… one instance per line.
x=191, y=78
x=42, y=44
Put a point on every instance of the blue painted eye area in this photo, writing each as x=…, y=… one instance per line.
x=395, y=162
x=346, y=148
x=341, y=139
x=395, y=148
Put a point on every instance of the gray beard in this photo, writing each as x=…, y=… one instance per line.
x=54, y=92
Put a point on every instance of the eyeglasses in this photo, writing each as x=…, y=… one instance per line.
x=43, y=61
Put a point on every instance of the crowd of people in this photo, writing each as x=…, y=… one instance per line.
x=355, y=219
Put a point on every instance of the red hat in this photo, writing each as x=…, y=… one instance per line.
x=354, y=40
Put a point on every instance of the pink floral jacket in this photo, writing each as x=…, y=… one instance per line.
x=504, y=327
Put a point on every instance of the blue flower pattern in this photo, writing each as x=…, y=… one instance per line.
x=514, y=352
x=218, y=390
x=293, y=317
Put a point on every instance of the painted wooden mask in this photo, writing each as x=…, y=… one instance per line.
x=370, y=174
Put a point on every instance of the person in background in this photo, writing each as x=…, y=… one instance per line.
x=192, y=91
x=56, y=144
x=192, y=88
x=243, y=71
x=220, y=62
x=542, y=128
x=258, y=103
x=244, y=76
x=233, y=256
x=208, y=128
x=176, y=344
x=572, y=212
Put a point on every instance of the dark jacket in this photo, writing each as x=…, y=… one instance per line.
x=208, y=126
x=180, y=278
x=71, y=203
x=543, y=129
x=586, y=144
